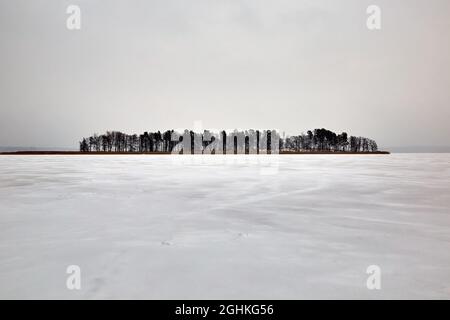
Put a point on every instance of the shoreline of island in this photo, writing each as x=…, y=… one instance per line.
x=55, y=153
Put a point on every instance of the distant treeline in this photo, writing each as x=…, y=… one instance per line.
x=326, y=140
x=252, y=141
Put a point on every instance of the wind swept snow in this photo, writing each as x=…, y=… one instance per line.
x=251, y=227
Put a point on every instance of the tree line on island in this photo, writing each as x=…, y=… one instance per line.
x=317, y=140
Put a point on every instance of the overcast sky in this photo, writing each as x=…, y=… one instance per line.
x=139, y=65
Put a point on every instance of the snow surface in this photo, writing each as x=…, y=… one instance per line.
x=252, y=227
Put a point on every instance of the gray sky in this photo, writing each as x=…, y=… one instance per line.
x=139, y=65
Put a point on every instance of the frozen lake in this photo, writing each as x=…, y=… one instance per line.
x=252, y=227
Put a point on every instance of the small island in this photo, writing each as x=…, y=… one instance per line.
x=317, y=141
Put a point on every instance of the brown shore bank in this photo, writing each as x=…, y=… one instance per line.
x=31, y=153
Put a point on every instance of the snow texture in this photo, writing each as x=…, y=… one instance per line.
x=225, y=227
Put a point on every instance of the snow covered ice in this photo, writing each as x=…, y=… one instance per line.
x=219, y=227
